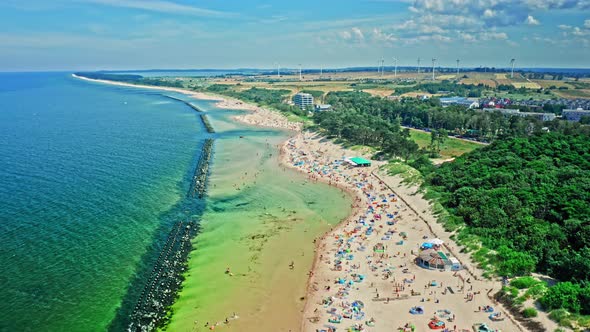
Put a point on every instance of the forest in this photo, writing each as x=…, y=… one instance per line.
x=263, y=97
x=527, y=198
x=445, y=87
x=429, y=114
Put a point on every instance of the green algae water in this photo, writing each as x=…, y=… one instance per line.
x=92, y=177
x=259, y=219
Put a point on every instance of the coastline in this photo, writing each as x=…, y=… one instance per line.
x=259, y=117
x=321, y=276
x=270, y=119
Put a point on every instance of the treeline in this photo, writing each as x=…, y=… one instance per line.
x=364, y=129
x=446, y=87
x=527, y=198
x=133, y=79
x=264, y=97
x=456, y=120
x=110, y=77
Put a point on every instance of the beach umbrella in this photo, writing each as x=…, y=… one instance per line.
x=436, y=242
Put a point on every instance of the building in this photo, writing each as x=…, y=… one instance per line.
x=513, y=112
x=437, y=260
x=323, y=107
x=538, y=116
x=575, y=115
x=303, y=100
x=462, y=101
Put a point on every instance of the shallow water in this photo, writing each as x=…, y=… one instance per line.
x=259, y=218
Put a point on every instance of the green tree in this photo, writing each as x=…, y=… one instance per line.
x=562, y=295
x=513, y=263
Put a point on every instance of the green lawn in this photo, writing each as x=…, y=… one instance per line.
x=452, y=147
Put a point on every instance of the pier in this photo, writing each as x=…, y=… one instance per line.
x=207, y=124
x=189, y=104
x=199, y=181
x=204, y=118
x=164, y=280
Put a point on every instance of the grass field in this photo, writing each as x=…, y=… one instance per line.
x=445, y=77
x=581, y=93
x=477, y=81
x=549, y=83
x=527, y=85
x=451, y=148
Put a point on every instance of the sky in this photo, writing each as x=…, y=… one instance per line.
x=177, y=34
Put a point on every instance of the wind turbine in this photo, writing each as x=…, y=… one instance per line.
x=378, y=66
x=433, y=62
x=278, y=69
x=394, y=67
x=418, y=65
x=382, y=66
x=321, y=70
x=512, y=64
x=458, y=60
x=300, y=77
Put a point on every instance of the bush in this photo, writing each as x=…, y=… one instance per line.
x=529, y=312
x=513, y=263
x=510, y=292
x=524, y=282
x=563, y=295
x=536, y=291
x=559, y=314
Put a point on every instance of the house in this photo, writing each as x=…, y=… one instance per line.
x=574, y=115
x=323, y=107
x=467, y=102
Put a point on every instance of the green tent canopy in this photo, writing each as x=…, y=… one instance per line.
x=360, y=161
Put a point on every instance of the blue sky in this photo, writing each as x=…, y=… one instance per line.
x=137, y=34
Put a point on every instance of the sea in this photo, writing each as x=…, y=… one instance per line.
x=94, y=176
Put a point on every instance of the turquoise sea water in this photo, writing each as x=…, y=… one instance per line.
x=91, y=176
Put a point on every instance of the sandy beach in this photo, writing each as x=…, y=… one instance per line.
x=364, y=276
x=256, y=115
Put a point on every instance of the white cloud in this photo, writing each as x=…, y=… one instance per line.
x=346, y=35
x=380, y=36
x=530, y=20
x=495, y=13
x=488, y=13
x=161, y=6
x=353, y=35
x=580, y=32
x=467, y=37
x=587, y=24
x=564, y=27
x=358, y=33
x=493, y=36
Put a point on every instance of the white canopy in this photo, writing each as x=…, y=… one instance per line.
x=436, y=242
